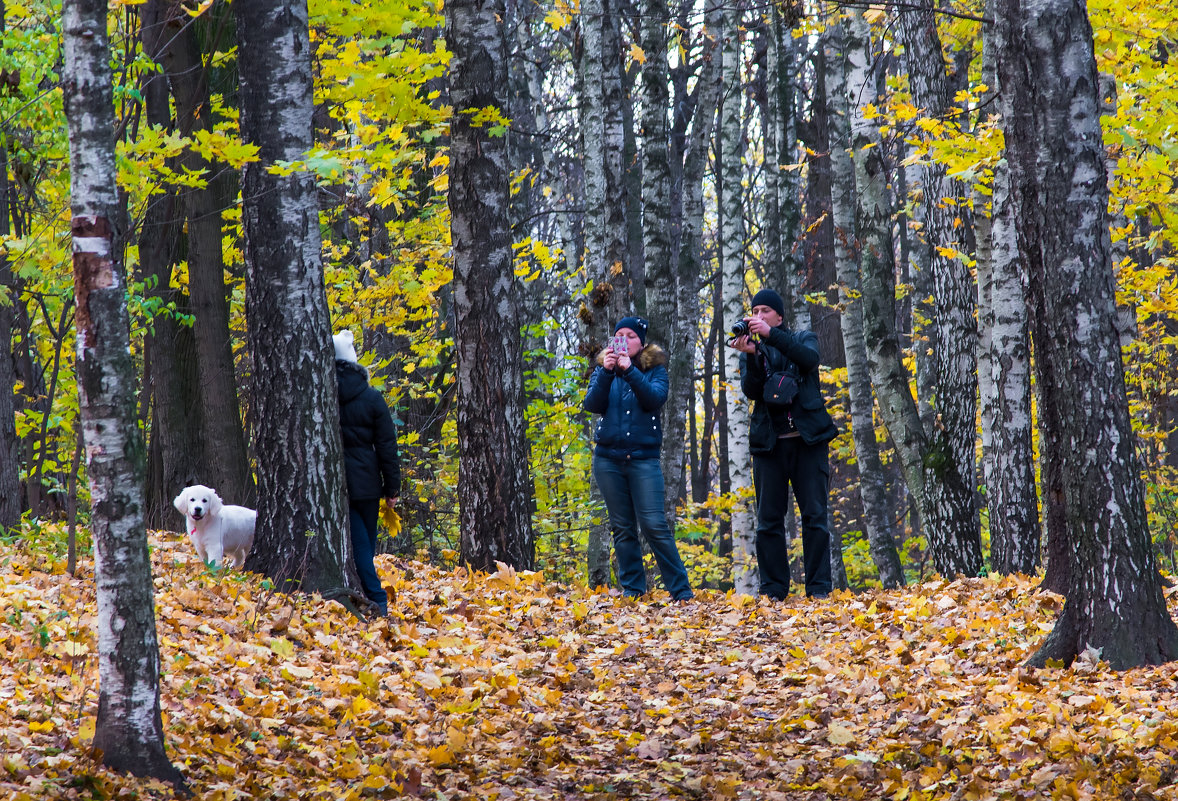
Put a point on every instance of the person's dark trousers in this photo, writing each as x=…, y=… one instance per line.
x=362, y=515
x=633, y=493
x=806, y=468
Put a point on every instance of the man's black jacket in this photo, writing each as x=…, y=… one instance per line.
x=780, y=348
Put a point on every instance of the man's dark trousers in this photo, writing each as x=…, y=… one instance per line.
x=806, y=468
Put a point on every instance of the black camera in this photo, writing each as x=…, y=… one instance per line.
x=740, y=328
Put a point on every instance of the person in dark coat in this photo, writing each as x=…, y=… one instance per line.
x=789, y=446
x=627, y=388
x=371, y=463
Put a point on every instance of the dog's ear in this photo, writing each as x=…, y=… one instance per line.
x=215, y=503
x=181, y=504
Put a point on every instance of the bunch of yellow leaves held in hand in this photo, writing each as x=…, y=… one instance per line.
x=390, y=517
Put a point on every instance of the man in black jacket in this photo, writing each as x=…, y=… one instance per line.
x=789, y=446
x=371, y=463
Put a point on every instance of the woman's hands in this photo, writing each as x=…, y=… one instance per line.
x=618, y=362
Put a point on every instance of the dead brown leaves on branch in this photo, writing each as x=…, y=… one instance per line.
x=505, y=687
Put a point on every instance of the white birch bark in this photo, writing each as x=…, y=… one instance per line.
x=878, y=514
x=952, y=534
x=954, y=299
x=1007, y=423
x=659, y=274
x=605, y=256
x=732, y=239
x=128, y=731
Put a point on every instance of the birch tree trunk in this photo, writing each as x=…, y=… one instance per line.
x=659, y=276
x=785, y=269
x=494, y=481
x=691, y=156
x=730, y=173
x=878, y=514
x=1006, y=409
x=1051, y=123
x=952, y=537
x=9, y=443
x=129, y=730
x=606, y=233
x=302, y=538
x=954, y=431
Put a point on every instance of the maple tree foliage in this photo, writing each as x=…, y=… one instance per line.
x=507, y=686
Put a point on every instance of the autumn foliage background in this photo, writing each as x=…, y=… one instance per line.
x=510, y=686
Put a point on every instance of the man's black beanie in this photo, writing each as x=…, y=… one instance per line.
x=767, y=297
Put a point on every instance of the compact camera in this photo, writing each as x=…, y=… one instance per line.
x=740, y=328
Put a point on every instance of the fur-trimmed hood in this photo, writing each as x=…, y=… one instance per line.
x=650, y=356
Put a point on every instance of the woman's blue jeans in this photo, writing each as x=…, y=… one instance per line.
x=633, y=493
x=362, y=515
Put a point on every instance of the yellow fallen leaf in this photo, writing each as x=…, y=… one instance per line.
x=440, y=756
x=839, y=735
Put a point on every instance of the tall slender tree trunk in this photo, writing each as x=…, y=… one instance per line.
x=954, y=431
x=952, y=536
x=659, y=274
x=225, y=461
x=690, y=161
x=494, y=482
x=302, y=538
x=878, y=514
x=786, y=269
x=1051, y=125
x=606, y=233
x=9, y=443
x=176, y=449
x=129, y=729
x=729, y=177
x=1006, y=409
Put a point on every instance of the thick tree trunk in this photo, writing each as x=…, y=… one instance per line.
x=944, y=500
x=730, y=173
x=878, y=514
x=225, y=463
x=494, y=483
x=176, y=450
x=10, y=506
x=302, y=537
x=1051, y=120
x=129, y=730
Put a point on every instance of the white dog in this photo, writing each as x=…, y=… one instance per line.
x=216, y=530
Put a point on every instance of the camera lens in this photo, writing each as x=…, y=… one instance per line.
x=740, y=328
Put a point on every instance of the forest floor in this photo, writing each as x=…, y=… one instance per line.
x=507, y=687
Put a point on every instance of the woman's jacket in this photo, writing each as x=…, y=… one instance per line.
x=629, y=404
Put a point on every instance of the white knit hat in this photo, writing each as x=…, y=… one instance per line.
x=344, y=348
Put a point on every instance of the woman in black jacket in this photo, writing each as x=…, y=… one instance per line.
x=627, y=389
x=371, y=464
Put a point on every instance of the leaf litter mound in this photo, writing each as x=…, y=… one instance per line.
x=506, y=687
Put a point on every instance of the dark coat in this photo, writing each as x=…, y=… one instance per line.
x=808, y=412
x=629, y=404
x=369, y=437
